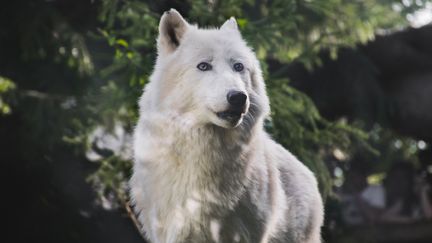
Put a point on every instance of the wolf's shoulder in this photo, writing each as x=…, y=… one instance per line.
x=301, y=192
x=294, y=175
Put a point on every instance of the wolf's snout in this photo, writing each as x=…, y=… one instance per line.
x=237, y=99
x=237, y=107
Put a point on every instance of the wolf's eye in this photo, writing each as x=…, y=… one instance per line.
x=204, y=66
x=238, y=67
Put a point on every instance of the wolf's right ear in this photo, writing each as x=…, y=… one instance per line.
x=172, y=27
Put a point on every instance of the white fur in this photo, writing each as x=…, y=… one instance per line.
x=198, y=178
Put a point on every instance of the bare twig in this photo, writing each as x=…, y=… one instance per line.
x=133, y=217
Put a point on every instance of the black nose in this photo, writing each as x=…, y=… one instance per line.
x=236, y=98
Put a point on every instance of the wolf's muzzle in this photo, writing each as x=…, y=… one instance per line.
x=230, y=115
x=237, y=107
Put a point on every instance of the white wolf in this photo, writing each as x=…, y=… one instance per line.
x=205, y=170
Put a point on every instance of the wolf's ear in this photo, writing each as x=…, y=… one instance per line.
x=172, y=27
x=230, y=24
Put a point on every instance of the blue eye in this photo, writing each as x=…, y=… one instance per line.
x=238, y=67
x=204, y=66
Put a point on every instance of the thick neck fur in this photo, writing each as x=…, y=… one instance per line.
x=217, y=156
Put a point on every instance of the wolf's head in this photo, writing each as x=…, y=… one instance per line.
x=210, y=75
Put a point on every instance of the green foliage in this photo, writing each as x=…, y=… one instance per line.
x=290, y=30
x=6, y=86
x=297, y=124
x=110, y=180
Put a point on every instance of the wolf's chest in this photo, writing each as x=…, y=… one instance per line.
x=196, y=220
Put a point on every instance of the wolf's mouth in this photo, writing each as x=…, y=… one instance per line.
x=230, y=115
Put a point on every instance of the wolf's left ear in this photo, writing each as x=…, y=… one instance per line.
x=172, y=27
x=230, y=24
